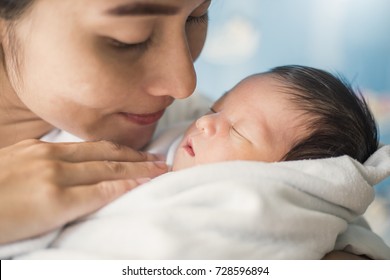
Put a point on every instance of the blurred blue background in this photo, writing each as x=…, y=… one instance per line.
x=351, y=37
x=347, y=36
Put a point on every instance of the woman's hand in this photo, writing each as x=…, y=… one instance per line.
x=45, y=185
x=341, y=255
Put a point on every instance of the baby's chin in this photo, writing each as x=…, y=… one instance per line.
x=177, y=165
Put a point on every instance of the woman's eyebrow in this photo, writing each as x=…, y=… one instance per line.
x=141, y=9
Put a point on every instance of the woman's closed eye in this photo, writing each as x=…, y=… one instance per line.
x=119, y=45
x=204, y=19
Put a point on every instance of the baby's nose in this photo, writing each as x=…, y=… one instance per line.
x=206, y=124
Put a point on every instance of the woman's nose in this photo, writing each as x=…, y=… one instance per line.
x=172, y=73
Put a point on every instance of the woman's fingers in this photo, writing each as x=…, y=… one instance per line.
x=87, y=151
x=87, y=173
x=44, y=185
x=83, y=200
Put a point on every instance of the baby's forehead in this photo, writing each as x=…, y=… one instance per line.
x=237, y=86
x=255, y=83
x=260, y=80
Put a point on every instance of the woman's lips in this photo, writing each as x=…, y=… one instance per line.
x=144, y=119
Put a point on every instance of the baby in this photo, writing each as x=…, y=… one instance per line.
x=289, y=113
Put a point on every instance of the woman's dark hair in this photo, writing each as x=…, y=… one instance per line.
x=340, y=122
x=11, y=9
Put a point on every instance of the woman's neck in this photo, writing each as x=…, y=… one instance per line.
x=17, y=122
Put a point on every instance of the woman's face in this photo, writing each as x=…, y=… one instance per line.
x=105, y=69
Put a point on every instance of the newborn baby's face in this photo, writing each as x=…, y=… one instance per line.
x=254, y=121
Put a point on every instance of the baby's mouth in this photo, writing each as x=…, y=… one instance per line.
x=189, y=148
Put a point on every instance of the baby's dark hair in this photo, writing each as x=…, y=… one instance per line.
x=340, y=121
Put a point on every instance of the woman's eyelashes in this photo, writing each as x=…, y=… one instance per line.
x=204, y=19
x=119, y=45
x=141, y=46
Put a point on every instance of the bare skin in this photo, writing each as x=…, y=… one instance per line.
x=104, y=71
x=61, y=182
x=263, y=127
x=341, y=255
x=89, y=67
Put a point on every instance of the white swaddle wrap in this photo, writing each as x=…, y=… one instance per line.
x=230, y=210
x=235, y=210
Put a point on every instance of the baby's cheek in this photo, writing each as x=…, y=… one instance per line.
x=182, y=161
x=214, y=154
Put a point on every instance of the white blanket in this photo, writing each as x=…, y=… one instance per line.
x=233, y=210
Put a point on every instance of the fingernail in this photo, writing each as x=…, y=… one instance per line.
x=160, y=164
x=142, y=180
x=161, y=157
